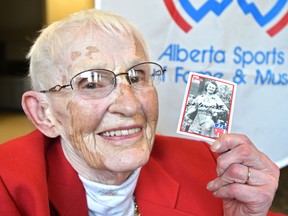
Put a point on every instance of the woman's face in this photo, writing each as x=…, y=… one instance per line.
x=211, y=88
x=114, y=133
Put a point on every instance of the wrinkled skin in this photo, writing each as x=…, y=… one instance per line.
x=242, y=197
x=81, y=121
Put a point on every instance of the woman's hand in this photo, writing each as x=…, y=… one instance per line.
x=247, y=179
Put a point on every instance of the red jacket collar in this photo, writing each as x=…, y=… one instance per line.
x=66, y=192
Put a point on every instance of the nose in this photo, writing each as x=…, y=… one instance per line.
x=126, y=76
x=126, y=100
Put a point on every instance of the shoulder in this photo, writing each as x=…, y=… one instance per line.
x=24, y=145
x=24, y=153
x=201, y=96
x=23, y=173
x=217, y=98
x=173, y=146
x=181, y=152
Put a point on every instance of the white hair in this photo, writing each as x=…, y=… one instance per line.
x=47, y=53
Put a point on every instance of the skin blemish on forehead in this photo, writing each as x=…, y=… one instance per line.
x=75, y=55
x=91, y=50
x=139, y=48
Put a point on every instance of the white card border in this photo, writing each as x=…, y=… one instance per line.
x=198, y=136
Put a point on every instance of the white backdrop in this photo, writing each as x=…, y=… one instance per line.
x=241, y=41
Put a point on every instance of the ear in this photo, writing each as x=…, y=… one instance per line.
x=35, y=108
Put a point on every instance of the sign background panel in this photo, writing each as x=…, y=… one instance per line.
x=241, y=41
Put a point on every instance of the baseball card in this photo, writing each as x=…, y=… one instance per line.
x=207, y=108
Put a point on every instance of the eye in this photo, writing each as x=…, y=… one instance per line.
x=87, y=84
x=93, y=80
x=90, y=85
x=137, y=76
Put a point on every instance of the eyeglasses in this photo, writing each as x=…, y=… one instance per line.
x=98, y=83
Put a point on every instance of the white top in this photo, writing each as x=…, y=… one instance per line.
x=109, y=200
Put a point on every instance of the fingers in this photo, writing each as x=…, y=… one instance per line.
x=240, y=174
x=229, y=141
x=242, y=154
x=255, y=190
x=246, y=177
x=248, y=195
x=238, y=149
x=236, y=173
x=242, y=200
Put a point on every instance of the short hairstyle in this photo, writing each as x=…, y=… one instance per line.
x=46, y=55
x=211, y=82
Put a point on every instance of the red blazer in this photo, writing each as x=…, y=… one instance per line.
x=36, y=179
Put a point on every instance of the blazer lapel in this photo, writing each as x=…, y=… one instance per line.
x=156, y=192
x=66, y=192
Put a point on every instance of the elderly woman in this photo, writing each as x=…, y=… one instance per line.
x=95, y=151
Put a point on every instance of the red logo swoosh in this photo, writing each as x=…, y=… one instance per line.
x=278, y=26
x=177, y=16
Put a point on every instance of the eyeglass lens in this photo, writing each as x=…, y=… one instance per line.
x=100, y=82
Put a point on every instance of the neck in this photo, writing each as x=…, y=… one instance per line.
x=96, y=175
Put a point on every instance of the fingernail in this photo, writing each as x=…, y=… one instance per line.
x=210, y=185
x=215, y=146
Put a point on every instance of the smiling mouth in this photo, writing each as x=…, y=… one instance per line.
x=125, y=132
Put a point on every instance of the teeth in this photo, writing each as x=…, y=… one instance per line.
x=120, y=132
